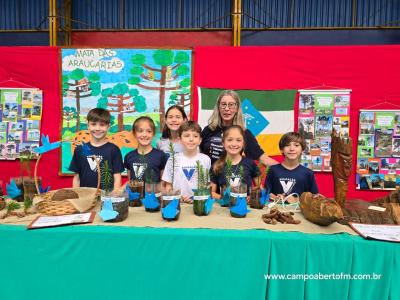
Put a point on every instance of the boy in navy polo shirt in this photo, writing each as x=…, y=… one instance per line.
x=289, y=176
x=83, y=162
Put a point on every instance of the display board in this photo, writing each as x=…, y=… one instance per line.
x=320, y=112
x=129, y=83
x=378, y=150
x=20, y=117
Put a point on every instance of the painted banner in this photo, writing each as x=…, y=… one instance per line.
x=268, y=114
x=320, y=112
x=20, y=117
x=129, y=83
x=378, y=150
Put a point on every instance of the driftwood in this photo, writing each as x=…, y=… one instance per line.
x=320, y=210
x=341, y=159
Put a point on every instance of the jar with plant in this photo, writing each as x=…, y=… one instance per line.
x=137, y=185
x=202, y=193
x=152, y=196
x=171, y=198
x=114, y=203
x=238, y=195
x=258, y=194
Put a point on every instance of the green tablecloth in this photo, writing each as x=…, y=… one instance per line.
x=100, y=262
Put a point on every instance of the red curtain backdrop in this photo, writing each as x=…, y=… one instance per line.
x=38, y=67
x=372, y=72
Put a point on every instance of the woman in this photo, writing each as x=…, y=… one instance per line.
x=228, y=112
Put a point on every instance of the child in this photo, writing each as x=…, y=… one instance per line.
x=289, y=176
x=233, y=142
x=83, y=162
x=145, y=163
x=174, y=117
x=185, y=173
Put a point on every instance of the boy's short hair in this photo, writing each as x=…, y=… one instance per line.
x=99, y=115
x=189, y=126
x=144, y=118
x=289, y=137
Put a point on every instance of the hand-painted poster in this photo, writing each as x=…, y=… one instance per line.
x=129, y=83
x=20, y=116
x=320, y=112
x=263, y=112
x=378, y=150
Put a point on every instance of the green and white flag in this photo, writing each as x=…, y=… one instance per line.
x=268, y=114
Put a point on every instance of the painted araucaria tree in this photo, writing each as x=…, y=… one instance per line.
x=69, y=113
x=171, y=73
x=120, y=99
x=77, y=85
x=181, y=97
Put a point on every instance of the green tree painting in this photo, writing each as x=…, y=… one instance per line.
x=171, y=73
x=78, y=85
x=120, y=99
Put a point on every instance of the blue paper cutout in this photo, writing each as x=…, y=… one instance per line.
x=150, y=201
x=209, y=205
x=255, y=121
x=132, y=195
x=171, y=210
x=44, y=190
x=264, y=196
x=107, y=212
x=226, y=197
x=241, y=207
x=46, y=145
x=86, y=150
x=12, y=190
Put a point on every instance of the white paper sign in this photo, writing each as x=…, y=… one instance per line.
x=378, y=232
x=51, y=221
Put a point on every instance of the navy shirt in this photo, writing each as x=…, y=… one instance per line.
x=83, y=162
x=250, y=170
x=145, y=167
x=283, y=181
x=211, y=144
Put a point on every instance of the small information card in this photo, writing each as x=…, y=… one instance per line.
x=53, y=221
x=389, y=233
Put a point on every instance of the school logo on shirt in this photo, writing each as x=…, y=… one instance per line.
x=188, y=171
x=287, y=184
x=92, y=161
x=234, y=180
x=138, y=170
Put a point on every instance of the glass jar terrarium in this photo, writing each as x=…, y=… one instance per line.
x=136, y=186
x=171, y=207
x=225, y=199
x=256, y=201
x=238, y=197
x=120, y=204
x=200, y=201
x=153, y=197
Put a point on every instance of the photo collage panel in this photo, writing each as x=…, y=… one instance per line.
x=321, y=112
x=20, y=117
x=378, y=150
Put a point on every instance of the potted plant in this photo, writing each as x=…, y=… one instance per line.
x=202, y=193
x=137, y=186
x=113, y=203
x=258, y=195
x=238, y=196
x=152, y=196
x=225, y=198
x=171, y=198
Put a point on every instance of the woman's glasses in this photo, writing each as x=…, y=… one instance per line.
x=230, y=105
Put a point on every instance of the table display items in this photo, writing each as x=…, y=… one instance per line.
x=171, y=207
x=226, y=189
x=136, y=192
x=238, y=197
x=114, y=203
x=341, y=161
x=63, y=201
x=259, y=195
x=275, y=215
x=202, y=200
x=320, y=210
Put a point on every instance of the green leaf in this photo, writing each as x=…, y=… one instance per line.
x=136, y=70
x=106, y=92
x=120, y=89
x=102, y=103
x=163, y=57
x=93, y=77
x=133, y=92
x=138, y=59
x=95, y=86
x=77, y=74
x=185, y=82
x=181, y=57
x=134, y=80
x=140, y=104
x=182, y=70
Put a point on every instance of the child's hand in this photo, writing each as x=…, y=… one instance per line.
x=186, y=199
